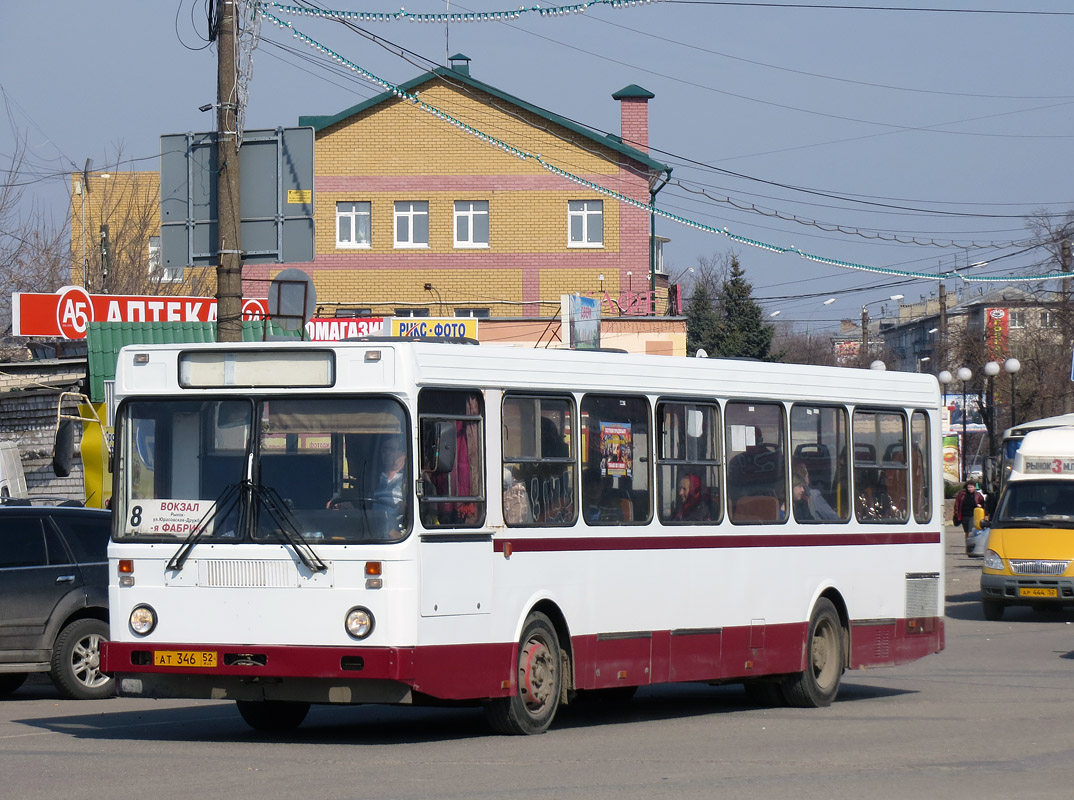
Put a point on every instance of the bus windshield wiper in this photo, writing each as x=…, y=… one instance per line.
x=285, y=523
x=229, y=497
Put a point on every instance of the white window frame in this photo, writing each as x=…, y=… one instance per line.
x=410, y=210
x=1049, y=319
x=157, y=270
x=475, y=313
x=1016, y=318
x=585, y=210
x=357, y=210
x=470, y=210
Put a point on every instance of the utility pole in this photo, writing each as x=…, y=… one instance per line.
x=229, y=240
x=864, y=337
x=943, y=324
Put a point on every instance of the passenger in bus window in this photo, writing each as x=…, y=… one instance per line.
x=809, y=503
x=601, y=501
x=693, y=502
x=895, y=485
x=390, y=487
x=516, y=501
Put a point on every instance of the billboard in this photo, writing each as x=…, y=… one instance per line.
x=581, y=321
x=68, y=313
x=997, y=332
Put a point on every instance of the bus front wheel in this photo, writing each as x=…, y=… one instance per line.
x=818, y=684
x=539, y=679
x=272, y=716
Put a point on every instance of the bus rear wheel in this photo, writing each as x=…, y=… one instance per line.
x=539, y=681
x=818, y=684
x=272, y=716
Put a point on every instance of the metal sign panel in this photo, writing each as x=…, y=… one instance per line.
x=276, y=197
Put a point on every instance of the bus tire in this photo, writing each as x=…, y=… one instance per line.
x=993, y=610
x=818, y=684
x=530, y=710
x=272, y=716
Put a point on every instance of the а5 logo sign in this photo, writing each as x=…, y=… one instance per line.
x=74, y=312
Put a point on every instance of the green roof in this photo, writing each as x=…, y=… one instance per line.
x=105, y=339
x=319, y=123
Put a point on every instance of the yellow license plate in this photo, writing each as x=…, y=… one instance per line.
x=1037, y=591
x=184, y=658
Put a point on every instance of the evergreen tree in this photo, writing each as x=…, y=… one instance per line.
x=741, y=331
x=702, y=321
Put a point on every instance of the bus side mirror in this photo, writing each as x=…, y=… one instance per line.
x=63, y=450
x=444, y=443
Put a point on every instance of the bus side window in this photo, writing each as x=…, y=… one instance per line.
x=819, y=436
x=538, y=463
x=688, y=462
x=452, y=448
x=754, y=439
x=615, y=459
x=920, y=467
x=880, y=469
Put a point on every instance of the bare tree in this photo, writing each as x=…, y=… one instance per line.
x=811, y=347
x=115, y=219
x=34, y=253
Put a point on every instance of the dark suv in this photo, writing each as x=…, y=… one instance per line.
x=54, y=597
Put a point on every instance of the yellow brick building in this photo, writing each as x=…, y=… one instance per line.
x=417, y=214
x=427, y=209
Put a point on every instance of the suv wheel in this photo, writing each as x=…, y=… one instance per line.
x=76, y=661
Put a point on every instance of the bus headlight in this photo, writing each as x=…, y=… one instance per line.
x=359, y=622
x=992, y=560
x=142, y=620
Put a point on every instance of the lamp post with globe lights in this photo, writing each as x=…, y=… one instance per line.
x=1011, y=366
x=963, y=374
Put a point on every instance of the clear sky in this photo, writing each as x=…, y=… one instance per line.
x=801, y=125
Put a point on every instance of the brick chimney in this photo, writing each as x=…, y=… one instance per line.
x=634, y=109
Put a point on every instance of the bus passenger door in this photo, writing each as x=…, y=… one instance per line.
x=456, y=545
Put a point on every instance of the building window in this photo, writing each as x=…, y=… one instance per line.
x=471, y=223
x=157, y=270
x=1017, y=319
x=411, y=312
x=411, y=224
x=483, y=313
x=353, y=227
x=1048, y=319
x=586, y=223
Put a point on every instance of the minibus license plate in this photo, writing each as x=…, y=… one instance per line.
x=184, y=658
x=1037, y=591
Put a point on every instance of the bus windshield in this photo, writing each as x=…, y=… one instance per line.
x=331, y=470
x=1036, y=503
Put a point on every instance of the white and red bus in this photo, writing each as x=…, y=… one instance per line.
x=405, y=522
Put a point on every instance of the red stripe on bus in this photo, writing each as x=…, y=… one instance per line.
x=547, y=545
x=476, y=671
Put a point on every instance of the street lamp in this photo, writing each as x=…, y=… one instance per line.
x=1012, y=365
x=922, y=361
x=865, y=322
x=945, y=377
x=963, y=374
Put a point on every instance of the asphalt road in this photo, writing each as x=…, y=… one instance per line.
x=991, y=716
